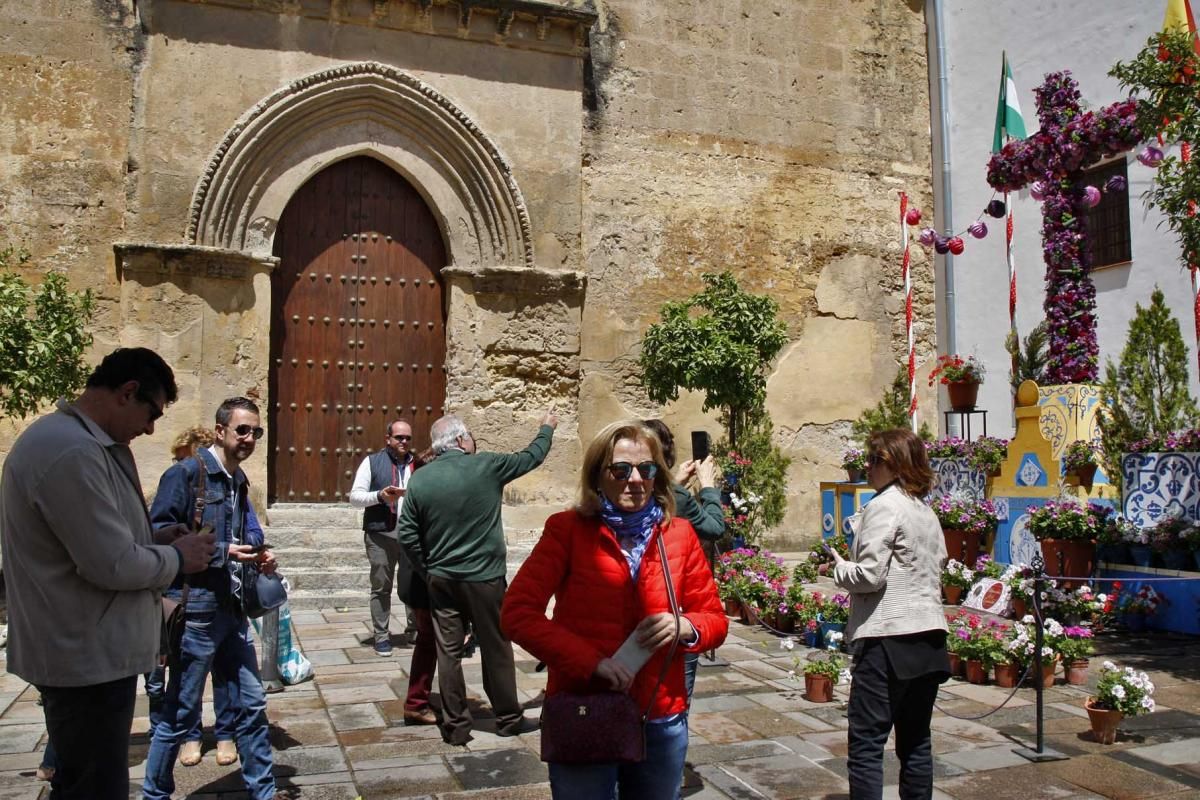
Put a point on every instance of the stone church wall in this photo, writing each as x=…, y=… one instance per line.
x=766, y=137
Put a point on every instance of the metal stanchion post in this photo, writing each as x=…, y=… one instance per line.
x=709, y=657
x=1040, y=752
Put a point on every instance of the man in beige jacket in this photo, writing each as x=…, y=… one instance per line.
x=84, y=571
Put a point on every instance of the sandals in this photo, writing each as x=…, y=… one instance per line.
x=189, y=754
x=226, y=752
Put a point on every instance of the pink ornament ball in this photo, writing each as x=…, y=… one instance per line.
x=1037, y=190
x=1150, y=157
x=1117, y=184
x=913, y=217
x=928, y=237
x=978, y=229
x=1091, y=196
x=956, y=245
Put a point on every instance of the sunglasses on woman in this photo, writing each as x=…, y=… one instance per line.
x=874, y=460
x=622, y=470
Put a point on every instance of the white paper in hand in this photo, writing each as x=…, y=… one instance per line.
x=631, y=654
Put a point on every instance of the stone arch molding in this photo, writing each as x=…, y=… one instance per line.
x=365, y=108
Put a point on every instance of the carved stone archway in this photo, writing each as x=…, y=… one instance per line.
x=364, y=108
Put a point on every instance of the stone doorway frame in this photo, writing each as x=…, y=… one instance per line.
x=363, y=108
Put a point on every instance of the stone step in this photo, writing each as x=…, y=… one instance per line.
x=313, y=515
x=282, y=538
x=319, y=557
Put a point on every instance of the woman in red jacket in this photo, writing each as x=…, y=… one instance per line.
x=601, y=564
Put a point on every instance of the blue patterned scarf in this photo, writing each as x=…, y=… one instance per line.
x=632, y=528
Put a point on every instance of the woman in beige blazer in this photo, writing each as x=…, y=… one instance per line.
x=897, y=626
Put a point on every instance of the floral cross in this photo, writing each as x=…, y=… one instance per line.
x=1069, y=141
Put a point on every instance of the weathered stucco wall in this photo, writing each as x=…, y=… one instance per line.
x=769, y=138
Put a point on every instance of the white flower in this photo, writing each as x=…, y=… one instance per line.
x=1118, y=692
x=844, y=676
x=1053, y=627
x=787, y=643
x=1108, y=666
x=1148, y=703
x=1027, y=619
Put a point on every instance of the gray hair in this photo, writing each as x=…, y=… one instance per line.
x=445, y=433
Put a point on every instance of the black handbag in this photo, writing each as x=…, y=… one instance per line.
x=261, y=592
x=603, y=727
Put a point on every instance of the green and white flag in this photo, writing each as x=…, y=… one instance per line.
x=1009, y=121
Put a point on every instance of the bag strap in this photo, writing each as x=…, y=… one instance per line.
x=198, y=503
x=666, y=569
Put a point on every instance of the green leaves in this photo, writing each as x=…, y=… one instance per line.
x=719, y=341
x=43, y=338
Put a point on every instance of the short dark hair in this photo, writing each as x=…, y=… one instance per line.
x=665, y=437
x=225, y=410
x=135, y=364
x=392, y=424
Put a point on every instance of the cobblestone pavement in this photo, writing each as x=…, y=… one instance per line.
x=753, y=735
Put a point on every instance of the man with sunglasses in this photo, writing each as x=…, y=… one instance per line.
x=450, y=527
x=216, y=637
x=85, y=570
x=378, y=488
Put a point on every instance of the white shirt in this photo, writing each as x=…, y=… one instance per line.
x=361, y=495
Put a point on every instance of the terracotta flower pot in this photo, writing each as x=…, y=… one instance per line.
x=743, y=613
x=1068, y=557
x=1043, y=671
x=976, y=671
x=956, y=665
x=818, y=688
x=953, y=595
x=1104, y=722
x=733, y=608
x=784, y=624
x=1085, y=475
x=1077, y=672
x=962, y=395
x=856, y=475
x=1018, y=607
x=1007, y=674
x=962, y=546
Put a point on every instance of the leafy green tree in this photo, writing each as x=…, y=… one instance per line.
x=891, y=412
x=43, y=338
x=1147, y=393
x=720, y=342
x=1029, y=361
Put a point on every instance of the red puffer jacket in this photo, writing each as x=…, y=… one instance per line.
x=597, y=604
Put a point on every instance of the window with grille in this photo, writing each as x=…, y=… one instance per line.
x=1108, y=222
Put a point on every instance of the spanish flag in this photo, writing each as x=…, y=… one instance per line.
x=1180, y=17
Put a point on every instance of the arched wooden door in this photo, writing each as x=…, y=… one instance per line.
x=358, y=335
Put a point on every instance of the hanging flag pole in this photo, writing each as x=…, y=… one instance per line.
x=908, y=313
x=1010, y=124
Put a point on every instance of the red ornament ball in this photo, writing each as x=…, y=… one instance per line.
x=913, y=217
x=956, y=245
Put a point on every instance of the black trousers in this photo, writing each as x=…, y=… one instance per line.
x=878, y=701
x=89, y=728
x=454, y=605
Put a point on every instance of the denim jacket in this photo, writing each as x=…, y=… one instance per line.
x=175, y=503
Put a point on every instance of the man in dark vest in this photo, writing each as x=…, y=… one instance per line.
x=379, y=488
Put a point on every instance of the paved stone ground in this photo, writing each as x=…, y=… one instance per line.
x=754, y=735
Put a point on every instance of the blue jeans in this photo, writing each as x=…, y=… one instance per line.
x=213, y=641
x=690, y=662
x=658, y=777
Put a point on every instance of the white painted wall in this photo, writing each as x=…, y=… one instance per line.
x=1040, y=36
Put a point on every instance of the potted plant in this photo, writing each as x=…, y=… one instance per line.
x=1137, y=607
x=987, y=454
x=854, y=461
x=1119, y=693
x=957, y=577
x=1019, y=578
x=803, y=610
x=833, y=615
x=1073, y=648
x=1191, y=538
x=1138, y=541
x=982, y=646
x=1067, y=531
x=805, y=571
x=1112, y=542
x=821, y=673
x=961, y=377
x=1079, y=460
x=1166, y=539
x=955, y=642
x=1021, y=647
x=966, y=524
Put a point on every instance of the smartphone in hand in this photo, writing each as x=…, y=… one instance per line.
x=700, y=445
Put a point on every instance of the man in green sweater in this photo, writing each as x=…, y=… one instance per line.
x=450, y=528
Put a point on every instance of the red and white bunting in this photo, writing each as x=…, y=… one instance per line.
x=908, y=313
